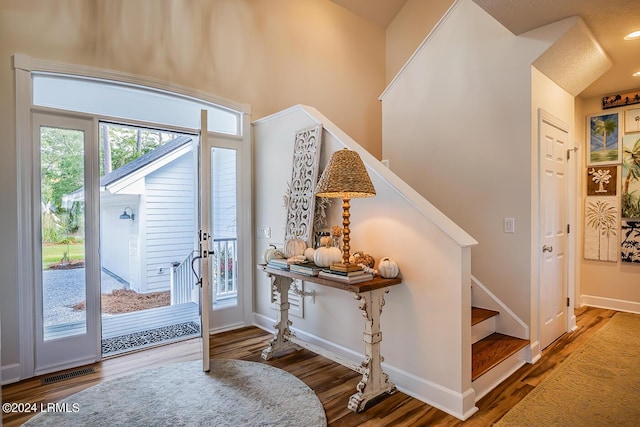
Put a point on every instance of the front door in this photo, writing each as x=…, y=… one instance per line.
x=225, y=222
x=553, y=145
x=66, y=264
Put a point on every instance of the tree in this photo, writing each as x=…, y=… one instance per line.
x=61, y=164
x=603, y=127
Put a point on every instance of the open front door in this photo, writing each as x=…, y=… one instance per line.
x=204, y=239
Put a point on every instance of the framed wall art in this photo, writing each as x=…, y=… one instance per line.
x=630, y=189
x=603, y=144
x=602, y=180
x=632, y=120
x=630, y=246
x=601, y=226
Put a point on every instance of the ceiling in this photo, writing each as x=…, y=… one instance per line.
x=608, y=20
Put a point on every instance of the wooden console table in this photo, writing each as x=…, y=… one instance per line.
x=371, y=296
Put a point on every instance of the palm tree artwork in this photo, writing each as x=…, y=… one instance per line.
x=603, y=138
x=601, y=225
x=601, y=177
x=631, y=176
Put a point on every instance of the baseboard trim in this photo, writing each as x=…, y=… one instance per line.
x=10, y=374
x=610, y=303
x=459, y=405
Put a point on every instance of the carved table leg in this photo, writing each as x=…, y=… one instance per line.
x=280, y=340
x=374, y=381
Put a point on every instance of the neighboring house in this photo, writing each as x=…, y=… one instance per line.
x=158, y=192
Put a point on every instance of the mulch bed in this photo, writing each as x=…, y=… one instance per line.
x=125, y=301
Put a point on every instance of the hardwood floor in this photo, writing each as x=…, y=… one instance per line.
x=332, y=383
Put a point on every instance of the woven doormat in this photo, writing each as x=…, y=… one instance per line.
x=138, y=340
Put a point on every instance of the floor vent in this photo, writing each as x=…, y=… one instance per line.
x=67, y=375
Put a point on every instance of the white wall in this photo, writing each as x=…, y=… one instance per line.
x=423, y=358
x=457, y=127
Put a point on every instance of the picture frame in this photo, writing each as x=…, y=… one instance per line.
x=603, y=144
x=632, y=120
x=630, y=183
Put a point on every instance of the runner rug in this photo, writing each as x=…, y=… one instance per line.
x=233, y=393
x=597, y=385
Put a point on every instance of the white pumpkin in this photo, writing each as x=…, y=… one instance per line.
x=293, y=247
x=327, y=255
x=272, y=253
x=388, y=268
x=309, y=253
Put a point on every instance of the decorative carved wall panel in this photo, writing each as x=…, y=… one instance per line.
x=300, y=199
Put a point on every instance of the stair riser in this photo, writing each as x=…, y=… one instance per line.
x=498, y=374
x=483, y=329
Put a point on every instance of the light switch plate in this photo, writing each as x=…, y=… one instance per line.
x=264, y=231
x=509, y=225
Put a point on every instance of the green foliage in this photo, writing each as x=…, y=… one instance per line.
x=128, y=143
x=61, y=164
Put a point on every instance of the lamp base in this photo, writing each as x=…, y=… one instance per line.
x=345, y=268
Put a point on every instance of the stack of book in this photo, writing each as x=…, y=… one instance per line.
x=345, y=276
x=306, y=268
x=279, y=263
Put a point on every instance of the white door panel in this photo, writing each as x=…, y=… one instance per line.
x=553, y=231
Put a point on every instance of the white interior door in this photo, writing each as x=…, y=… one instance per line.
x=66, y=263
x=553, y=145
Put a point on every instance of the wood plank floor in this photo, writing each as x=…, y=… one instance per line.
x=333, y=383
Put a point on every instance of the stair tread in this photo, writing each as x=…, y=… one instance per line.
x=490, y=351
x=480, y=314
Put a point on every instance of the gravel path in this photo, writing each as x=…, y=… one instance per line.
x=62, y=289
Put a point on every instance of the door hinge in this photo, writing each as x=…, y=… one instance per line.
x=568, y=228
x=568, y=301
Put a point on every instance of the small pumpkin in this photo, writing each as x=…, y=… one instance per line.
x=388, y=268
x=272, y=252
x=293, y=247
x=325, y=241
x=327, y=255
x=309, y=253
x=362, y=258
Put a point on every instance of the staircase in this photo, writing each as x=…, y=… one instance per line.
x=494, y=356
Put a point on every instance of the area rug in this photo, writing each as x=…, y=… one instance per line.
x=597, y=385
x=234, y=393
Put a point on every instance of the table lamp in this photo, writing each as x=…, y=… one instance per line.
x=345, y=177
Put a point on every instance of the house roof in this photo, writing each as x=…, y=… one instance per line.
x=144, y=160
x=142, y=166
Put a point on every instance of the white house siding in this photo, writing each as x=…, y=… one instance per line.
x=224, y=193
x=170, y=219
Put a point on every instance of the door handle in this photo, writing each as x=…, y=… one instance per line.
x=546, y=248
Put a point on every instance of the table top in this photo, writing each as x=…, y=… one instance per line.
x=370, y=285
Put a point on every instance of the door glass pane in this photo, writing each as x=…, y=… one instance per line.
x=63, y=231
x=224, y=220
